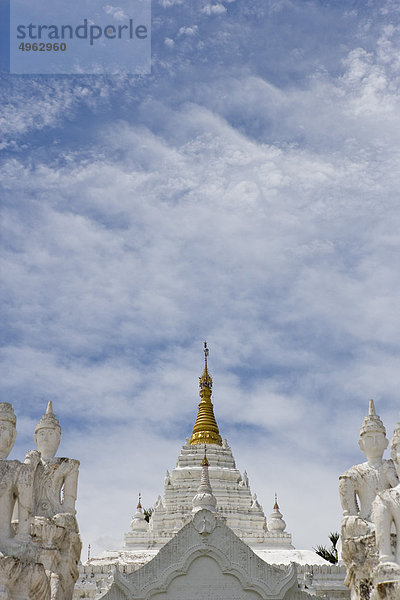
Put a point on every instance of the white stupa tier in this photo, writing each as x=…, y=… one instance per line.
x=235, y=502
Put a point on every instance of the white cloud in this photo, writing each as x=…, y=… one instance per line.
x=116, y=11
x=189, y=31
x=169, y=3
x=214, y=9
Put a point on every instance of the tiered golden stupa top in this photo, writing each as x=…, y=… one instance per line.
x=205, y=430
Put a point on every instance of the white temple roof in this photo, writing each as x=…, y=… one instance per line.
x=284, y=556
x=272, y=556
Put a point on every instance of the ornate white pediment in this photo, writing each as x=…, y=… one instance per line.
x=204, y=560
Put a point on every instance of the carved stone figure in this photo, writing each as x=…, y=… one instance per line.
x=8, y=473
x=8, y=430
x=59, y=477
x=16, y=489
x=54, y=527
x=359, y=485
x=386, y=512
x=358, y=488
x=21, y=576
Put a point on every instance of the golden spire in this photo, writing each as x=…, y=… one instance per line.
x=205, y=430
x=276, y=502
x=140, y=501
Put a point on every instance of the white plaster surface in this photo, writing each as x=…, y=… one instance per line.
x=205, y=579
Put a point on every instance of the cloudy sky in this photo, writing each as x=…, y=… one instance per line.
x=246, y=193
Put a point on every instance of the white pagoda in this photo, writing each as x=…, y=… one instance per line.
x=234, y=506
x=242, y=511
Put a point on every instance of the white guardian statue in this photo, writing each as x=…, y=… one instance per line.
x=55, y=498
x=386, y=515
x=358, y=488
x=39, y=540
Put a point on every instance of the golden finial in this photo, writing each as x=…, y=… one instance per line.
x=205, y=430
x=276, y=506
x=205, y=379
x=204, y=462
x=140, y=501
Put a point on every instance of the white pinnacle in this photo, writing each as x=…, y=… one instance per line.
x=275, y=521
x=204, y=499
x=139, y=522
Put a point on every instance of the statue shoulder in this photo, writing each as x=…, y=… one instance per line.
x=355, y=471
x=69, y=464
x=388, y=496
x=8, y=467
x=61, y=465
x=388, y=465
x=9, y=464
x=63, y=460
x=390, y=471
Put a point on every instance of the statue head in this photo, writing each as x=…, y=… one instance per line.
x=48, y=433
x=395, y=448
x=373, y=441
x=8, y=430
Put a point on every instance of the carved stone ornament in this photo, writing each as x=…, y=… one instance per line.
x=39, y=540
x=217, y=565
x=204, y=522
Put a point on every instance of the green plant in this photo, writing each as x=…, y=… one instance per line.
x=329, y=554
x=147, y=513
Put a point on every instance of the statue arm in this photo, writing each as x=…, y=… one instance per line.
x=382, y=518
x=25, y=492
x=71, y=489
x=347, y=493
x=391, y=473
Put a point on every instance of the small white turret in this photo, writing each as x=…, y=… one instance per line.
x=275, y=521
x=139, y=523
x=204, y=499
x=276, y=536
